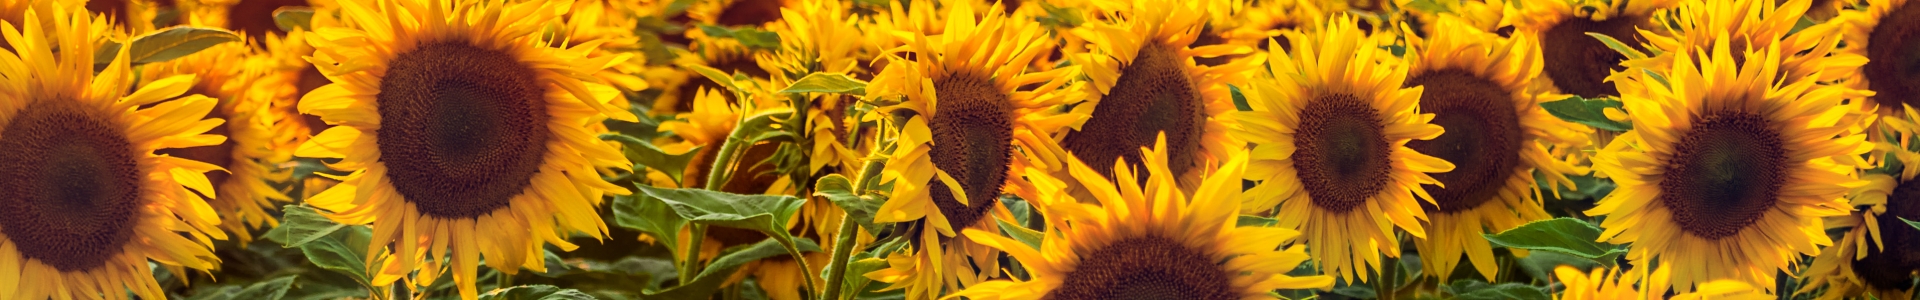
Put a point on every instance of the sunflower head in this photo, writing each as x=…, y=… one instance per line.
x=972, y=120
x=462, y=117
x=1727, y=166
x=1330, y=133
x=1883, y=32
x=85, y=204
x=1497, y=137
x=1576, y=63
x=1148, y=237
x=1144, y=82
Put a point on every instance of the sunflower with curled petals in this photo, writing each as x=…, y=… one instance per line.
x=1728, y=171
x=1613, y=283
x=1484, y=15
x=1252, y=25
x=1184, y=245
x=1751, y=25
x=970, y=121
x=1885, y=32
x=87, y=209
x=1879, y=254
x=1330, y=134
x=1144, y=81
x=1578, y=64
x=252, y=152
x=1497, y=136
x=467, y=135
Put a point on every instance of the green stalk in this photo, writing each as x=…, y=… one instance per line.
x=843, y=244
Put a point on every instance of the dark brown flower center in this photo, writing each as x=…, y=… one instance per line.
x=1482, y=137
x=1578, y=63
x=70, y=185
x=1893, y=57
x=1152, y=96
x=972, y=128
x=255, y=17
x=1724, y=174
x=463, y=129
x=1341, y=152
x=750, y=13
x=1149, y=267
x=1893, y=267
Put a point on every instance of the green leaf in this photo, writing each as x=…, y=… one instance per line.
x=343, y=251
x=1916, y=225
x=265, y=290
x=1255, y=221
x=1564, y=235
x=1587, y=111
x=1356, y=291
x=1239, y=98
x=857, y=281
x=300, y=226
x=1477, y=290
x=536, y=292
x=1026, y=236
x=165, y=45
x=718, y=77
x=764, y=213
x=750, y=37
x=290, y=18
x=827, y=83
x=644, y=154
x=717, y=271
x=1618, y=46
x=860, y=210
x=649, y=215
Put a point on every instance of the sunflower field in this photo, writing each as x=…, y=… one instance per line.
x=959, y=149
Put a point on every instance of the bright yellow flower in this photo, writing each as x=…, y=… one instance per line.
x=971, y=120
x=1577, y=64
x=1330, y=133
x=1729, y=170
x=85, y=204
x=467, y=135
x=1186, y=243
x=1497, y=137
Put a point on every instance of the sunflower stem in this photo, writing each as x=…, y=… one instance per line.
x=1383, y=286
x=843, y=241
x=691, y=266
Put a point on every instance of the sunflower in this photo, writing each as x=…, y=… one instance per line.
x=1608, y=283
x=1578, y=64
x=971, y=120
x=1729, y=170
x=1878, y=255
x=1497, y=136
x=1330, y=134
x=1145, y=82
x=728, y=56
x=85, y=204
x=1485, y=15
x=1152, y=240
x=1751, y=25
x=523, y=154
x=252, y=152
x=1886, y=32
x=1252, y=25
